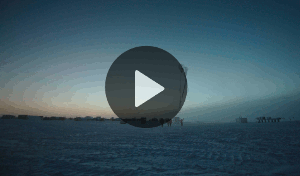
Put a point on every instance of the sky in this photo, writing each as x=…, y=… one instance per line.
x=54, y=56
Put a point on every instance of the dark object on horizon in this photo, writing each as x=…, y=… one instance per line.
x=46, y=118
x=23, y=117
x=131, y=120
x=241, y=120
x=77, y=119
x=53, y=118
x=169, y=122
x=181, y=121
x=62, y=118
x=143, y=120
x=99, y=118
x=262, y=119
x=8, y=117
x=154, y=119
x=162, y=121
x=35, y=118
x=88, y=118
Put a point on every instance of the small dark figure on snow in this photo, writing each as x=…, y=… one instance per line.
x=181, y=121
x=162, y=121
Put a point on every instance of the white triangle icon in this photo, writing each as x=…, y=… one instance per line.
x=145, y=88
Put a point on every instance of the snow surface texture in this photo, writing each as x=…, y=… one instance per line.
x=109, y=148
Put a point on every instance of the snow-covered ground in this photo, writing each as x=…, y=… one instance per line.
x=109, y=148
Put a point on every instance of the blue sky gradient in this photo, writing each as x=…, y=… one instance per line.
x=54, y=56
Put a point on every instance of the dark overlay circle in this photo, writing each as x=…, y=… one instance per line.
x=158, y=65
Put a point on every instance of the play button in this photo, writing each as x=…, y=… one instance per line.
x=146, y=86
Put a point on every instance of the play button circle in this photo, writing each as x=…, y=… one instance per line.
x=146, y=86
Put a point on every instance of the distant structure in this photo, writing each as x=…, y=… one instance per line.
x=241, y=120
x=78, y=119
x=62, y=118
x=99, y=118
x=8, y=117
x=54, y=118
x=23, y=117
x=48, y=118
x=268, y=119
x=87, y=118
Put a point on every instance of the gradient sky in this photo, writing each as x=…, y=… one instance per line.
x=54, y=56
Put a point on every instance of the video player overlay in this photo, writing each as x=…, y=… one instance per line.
x=146, y=86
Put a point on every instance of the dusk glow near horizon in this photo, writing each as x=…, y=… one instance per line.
x=54, y=56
